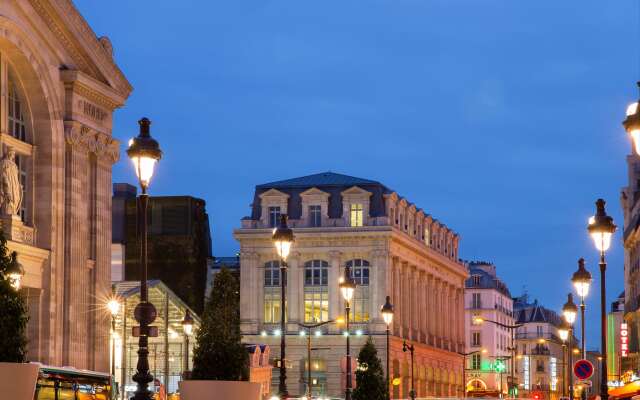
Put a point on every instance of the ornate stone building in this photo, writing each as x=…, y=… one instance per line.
x=59, y=86
x=394, y=249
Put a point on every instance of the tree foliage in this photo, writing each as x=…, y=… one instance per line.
x=370, y=380
x=14, y=315
x=219, y=353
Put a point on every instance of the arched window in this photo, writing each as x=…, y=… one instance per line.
x=272, y=292
x=360, y=301
x=316, y=291
x=17, y=127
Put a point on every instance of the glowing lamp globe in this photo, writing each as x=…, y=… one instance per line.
x=387, y=311
x=569, y=310
x=601, y=227
x=581, y=279
x=282, y=238
x=144, y=151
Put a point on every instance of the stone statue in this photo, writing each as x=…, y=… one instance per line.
x=10, y=187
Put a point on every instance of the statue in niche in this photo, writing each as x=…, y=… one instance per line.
x=10, y=187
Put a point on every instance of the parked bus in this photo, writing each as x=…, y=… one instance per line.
x=65, y=383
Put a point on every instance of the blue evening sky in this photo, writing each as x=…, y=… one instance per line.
x=499, y=117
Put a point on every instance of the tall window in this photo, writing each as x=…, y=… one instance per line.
x=272, y=292
x=476, y=300
x=539, y=330
x=356, y=214
x=476, y=360
x=316, y=291
x=16, y=119
x=475, y=339
x=360, y=301
x=315, y=216
x=475, y=280
x=274, y=216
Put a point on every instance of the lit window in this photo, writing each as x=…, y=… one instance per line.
x=16, y=118
x=360, y=301
x=476, y=361
x=315, y=216
x=356, y=214
x=272, y=292
x=274, y=216
x=426, y=236
x=316, y=291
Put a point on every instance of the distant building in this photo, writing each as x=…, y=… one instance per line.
x=539, y=350
x=394, y=249
x=489, y=344
x=216, y=264
x=179, y=242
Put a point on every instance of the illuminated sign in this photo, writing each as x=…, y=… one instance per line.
x=526, y=372
x=624, y=340
x=554, y=377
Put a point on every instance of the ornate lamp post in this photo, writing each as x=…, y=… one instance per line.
x=563, y=331
x=601, y=229
x=187, y=328
x=569, y=311
x=387, y=316
x=114, y=308
x=581, y=281
x=409, y=347
x=144, y=152
x=283, y=239
x=15, y=272
x=347, y=287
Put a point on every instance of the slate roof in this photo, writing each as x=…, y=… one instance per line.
x=487, y=281
x=534, y=312
x=322, y=179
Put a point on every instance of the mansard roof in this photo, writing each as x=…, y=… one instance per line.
x=487, y=280
x=534, y=312
x=322, y=179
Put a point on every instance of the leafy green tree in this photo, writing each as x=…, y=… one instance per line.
x=219, y=354
x=370, y=380
x=14, y=316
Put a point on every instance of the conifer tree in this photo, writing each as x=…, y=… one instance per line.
x=370, y=380
x=13, y=314
x=219, y=353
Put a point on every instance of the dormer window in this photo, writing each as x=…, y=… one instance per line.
x=356, y=214
x=475, y=280
x=315, y=216
x=274, y=216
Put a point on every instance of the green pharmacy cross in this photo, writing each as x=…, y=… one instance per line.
x=499, y=366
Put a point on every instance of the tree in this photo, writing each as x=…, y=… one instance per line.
x=219, y=354
x=14, y=316
x=370, y=380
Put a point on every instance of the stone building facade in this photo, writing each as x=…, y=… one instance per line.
x=489, y=344
x=59, y=86
x=394, y=249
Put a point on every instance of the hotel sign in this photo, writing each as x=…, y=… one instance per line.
x=624, y=340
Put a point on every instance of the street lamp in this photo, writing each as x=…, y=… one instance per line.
x=15, y=272
x=347, y=287
x=283, y=240
x=144, y=152
x=187, y=328
x=582, y=281
x=387, y=316
x=113, y=305
x=308, y=327
x=601, y=228
x=632, y=124
x=569, y=311
x=563, y=331
x=411, y=349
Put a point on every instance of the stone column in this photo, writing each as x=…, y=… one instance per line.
x=106, y=155
x=295, y=291
x=75, y=346
x=397, y=320
x=404, y=302
x=420, y=308
x=249, y=283
x=335, y=299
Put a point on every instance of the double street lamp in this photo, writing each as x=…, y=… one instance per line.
x=601, y=229
x=283, y=240
x=144, y=152
x=570, y=311
x=387, y=316
x=410, y=348
x=347, y=288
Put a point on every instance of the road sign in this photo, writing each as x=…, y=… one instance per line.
x=583, y=369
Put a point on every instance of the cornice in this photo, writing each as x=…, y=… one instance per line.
x=79, y=40
x=92, y=89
